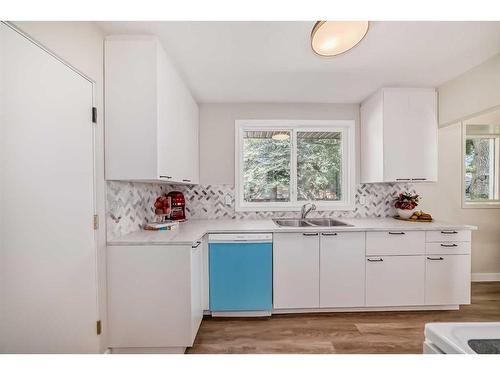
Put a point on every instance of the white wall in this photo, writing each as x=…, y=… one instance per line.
x=444, y=200
x=81, y=45
x=471, y=93
x=217, y=130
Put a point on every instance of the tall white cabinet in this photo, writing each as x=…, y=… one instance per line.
x=151, y=117
x=399, y=136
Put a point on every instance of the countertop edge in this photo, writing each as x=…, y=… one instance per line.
x=273, y=228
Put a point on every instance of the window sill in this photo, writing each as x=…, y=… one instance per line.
x=495, y=204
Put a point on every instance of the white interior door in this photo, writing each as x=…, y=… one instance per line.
x=48, y=289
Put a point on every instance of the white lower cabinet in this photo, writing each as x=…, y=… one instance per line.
x=342, y=269
x=295, y=270
x=395, y=280
x=447, y=279
x=154, y=296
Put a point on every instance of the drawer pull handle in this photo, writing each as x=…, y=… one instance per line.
x=449, y=232
x=169, y=177
x=186, y=180
x=419, y=179
x=328, y=234
x=310, y=234
x=197, y=243
x=403, y=179
x=449, y=245
x=375, y=260
x=440, y=258
x=397, y=233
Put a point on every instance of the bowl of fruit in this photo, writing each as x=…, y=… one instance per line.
x=162, y=207
x=405, y=204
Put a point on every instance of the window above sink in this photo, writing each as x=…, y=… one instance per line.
x=282, y=164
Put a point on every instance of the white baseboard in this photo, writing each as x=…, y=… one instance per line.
x=241, y=314
x=485, y=277
x=145, y=350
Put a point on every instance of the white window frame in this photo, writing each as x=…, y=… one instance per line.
x=348, y=130
x=480, y=204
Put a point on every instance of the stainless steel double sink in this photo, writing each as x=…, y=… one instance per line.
x=299, y=223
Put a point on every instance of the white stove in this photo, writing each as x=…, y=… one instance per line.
x=462, y=338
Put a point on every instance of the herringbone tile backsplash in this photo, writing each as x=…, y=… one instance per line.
x=130, y=204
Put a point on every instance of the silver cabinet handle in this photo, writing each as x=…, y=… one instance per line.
x=397, y=233
x=169, y=177
x=449, y=245
x=328, y=234
x=196, y=244
x=431, y=258
x=449, y=232
x=403, y=179
x=375, y=259
x=419, y=179
x=310, y=234
x=186, y=180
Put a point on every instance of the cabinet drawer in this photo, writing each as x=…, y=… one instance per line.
x=395, y=243
x=448, y=235
x=447, y=248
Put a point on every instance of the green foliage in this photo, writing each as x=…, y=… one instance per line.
x=319, y=167
x=267, y=169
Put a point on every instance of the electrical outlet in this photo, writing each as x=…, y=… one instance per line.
x=228, y=200
x=362, y=200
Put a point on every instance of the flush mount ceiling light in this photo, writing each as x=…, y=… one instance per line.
x=330, y=38
x=280, y=136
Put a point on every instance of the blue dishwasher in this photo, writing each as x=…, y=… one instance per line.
x=241, y=273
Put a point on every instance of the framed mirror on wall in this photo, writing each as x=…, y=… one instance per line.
x=481, y=161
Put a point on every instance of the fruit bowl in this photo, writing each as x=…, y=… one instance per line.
x=404, y=214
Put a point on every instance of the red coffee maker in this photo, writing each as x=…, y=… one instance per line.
x=178, y=206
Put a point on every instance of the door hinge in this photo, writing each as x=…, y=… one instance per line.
x=96, y=222
x=98, y=327
x=94, y=115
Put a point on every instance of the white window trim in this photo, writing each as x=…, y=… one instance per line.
x=348, y=130
x=479, y=204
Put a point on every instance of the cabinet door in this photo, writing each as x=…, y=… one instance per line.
x=395, y=280
x=447, y=279
x=342, y=269
x=410, y=124
x=398, y=136
x=190, y=173
x=170, y=125
x=196, y=287
x=149, y=296
x=422, y=115
x=295, y=270
x=205, y=280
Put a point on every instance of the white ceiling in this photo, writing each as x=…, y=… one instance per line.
x=273, y=61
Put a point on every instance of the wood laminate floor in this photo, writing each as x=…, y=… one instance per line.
x=367, y=332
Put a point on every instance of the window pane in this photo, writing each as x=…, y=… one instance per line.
x=319, y=166
x=480, y=169
x=266, y=166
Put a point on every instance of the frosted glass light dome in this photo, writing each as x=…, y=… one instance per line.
x=330, y=38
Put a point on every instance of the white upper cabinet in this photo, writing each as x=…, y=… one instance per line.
x=399, y=136
x=151, y=117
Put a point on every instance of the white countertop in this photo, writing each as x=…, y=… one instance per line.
x=192, y=230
